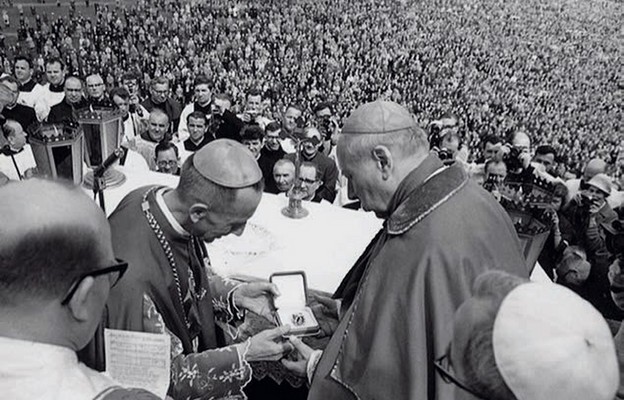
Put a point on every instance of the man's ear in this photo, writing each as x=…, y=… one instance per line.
x=383, y=158
x=79, y=303
x=197, y=212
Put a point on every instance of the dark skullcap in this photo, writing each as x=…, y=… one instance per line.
x=227, y=163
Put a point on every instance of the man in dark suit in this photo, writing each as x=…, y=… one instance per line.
x=159, y=98
x=64, y=111
x=23, y=114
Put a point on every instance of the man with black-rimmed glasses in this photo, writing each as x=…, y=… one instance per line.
x=56, y=270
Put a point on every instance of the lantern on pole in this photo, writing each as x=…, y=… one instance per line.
x=103, y=131
x=58, y=150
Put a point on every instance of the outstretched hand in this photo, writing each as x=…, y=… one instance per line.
x=326, y=313
x=269, y=345
x=301, y=357
x=256, y=297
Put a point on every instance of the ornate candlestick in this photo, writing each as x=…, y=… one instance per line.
x=297, y=192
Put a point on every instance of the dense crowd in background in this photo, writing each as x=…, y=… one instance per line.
x=551, y=70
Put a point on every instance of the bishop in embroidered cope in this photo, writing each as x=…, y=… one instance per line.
x=169, y=287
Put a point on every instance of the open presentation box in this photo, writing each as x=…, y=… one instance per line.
x=290, y=306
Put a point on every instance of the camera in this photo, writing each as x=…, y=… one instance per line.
x=491, y=183
x=435, y=139
x=435, y=143
x=512, y=159
x=326, y=127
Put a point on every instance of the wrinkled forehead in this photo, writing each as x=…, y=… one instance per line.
x=307, y=172
x=94, y=80
x=168, y=154
x=158, y=119
x=284, y=168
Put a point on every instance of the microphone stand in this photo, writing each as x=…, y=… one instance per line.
x=99, y=184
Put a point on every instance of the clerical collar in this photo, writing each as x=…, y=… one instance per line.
x=57, y=88
x=7, y=150
x=307, y=157
x=199, y=141
x=160, y=201
x=28, y=86
x=205, y=109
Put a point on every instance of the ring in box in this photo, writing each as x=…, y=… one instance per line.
x=290, y=306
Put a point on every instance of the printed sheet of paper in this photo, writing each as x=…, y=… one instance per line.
x=139, y=360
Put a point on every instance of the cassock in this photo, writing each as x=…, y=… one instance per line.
x=31, y=95
x=14, y=164
x=400, y=296
x=190, y=145
x=267, y=161
x=23, y=114
x=226, y=126
x=183, y=132
x=169, y=288
x=64, y=112
x=170, y=107
x=326, y=170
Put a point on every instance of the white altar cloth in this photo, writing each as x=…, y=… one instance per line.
x=325, y=244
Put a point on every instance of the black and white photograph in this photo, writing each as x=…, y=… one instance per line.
x=311, y=199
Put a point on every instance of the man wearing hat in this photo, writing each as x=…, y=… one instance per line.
x=397, y=302
x=515, y=339
x=587, y=214
x=170, y=288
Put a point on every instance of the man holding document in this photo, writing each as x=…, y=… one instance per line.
x=56, y=271
x=169, y=287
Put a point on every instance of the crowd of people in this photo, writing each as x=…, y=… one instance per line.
x=549, y=68
x=499, y=136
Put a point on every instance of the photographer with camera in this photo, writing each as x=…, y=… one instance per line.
x=444, y=138
x=517, y=156
x=588, y=213
x=327, y=125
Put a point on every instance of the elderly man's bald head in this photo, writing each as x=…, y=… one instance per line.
x=594, y=167
x=95, y=86
x=521, y=141
x=51, y=233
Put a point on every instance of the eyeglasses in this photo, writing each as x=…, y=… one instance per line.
x=308, y=181
x=442, y=365
x=119, y=269
x=167, y=163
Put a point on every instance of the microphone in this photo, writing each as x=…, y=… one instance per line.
x=116, y=155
